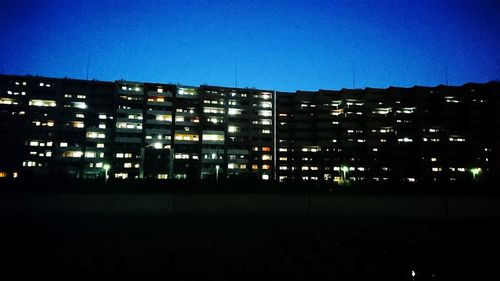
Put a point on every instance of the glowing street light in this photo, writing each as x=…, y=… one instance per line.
x=475, y=172
x=344, y=170
x=217, y=173
x=106, y=169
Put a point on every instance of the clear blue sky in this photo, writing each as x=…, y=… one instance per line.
x=283, y=45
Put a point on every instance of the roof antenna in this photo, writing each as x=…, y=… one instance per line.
x=236, y=75
x=88, y=63
x=353, y=76
x=446, y=74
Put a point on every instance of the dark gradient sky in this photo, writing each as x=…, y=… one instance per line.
x=283, y=45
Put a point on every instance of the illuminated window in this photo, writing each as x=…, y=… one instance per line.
x=162, y=176
x=8, y=101
x=121, y=176
x=187, y=92
x=102, y=116
x=284, y=168
x=187, y=137
x=456, y=139
x=213, y=137
x=232, y=129
x=72, y=154
x=266, y=148
x=63, y=144
x=283, y=158
x=265, y=104
x=43, y=103
x=80, y=105
x=156, y=99
x=77, y=124
x=129, y=125
x=266, y=157
x=81, y=96
x=405, y=139
x=166, y=117
x=100, y=145
x=255, y=167
x=265, y=113
x=90, y=154
x=179, y=118
x=127, y=165
x=265, y=131
x=266, y=167
x=234, y=111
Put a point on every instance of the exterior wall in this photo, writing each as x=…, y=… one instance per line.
x=76, y=128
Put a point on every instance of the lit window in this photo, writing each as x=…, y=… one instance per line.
x=234, y=111
x=100, y=145
x=72, y=154
x=43, y=103
x=405, y=139
x=212, y=137
x=80, y=105
x=266, y=148
x=90, y=154
x=265, y=113
x=265, y=131
x=255, y=167
x=102, y=116
x=283, y=149
x=232, y=129
x=266, y=157
x=166, y=117
x=266, y=167
x=63, y=144
x=187, y=137
x=77, y=124
x=119, y=155
x=127, y=165
x=283, y=158
x=33, y=143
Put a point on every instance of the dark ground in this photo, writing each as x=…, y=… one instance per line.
x=146, y=248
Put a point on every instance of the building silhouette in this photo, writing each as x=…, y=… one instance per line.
x=52, y=127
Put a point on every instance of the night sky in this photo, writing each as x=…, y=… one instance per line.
x=282, y=45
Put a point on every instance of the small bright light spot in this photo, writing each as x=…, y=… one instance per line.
x=413, y=273
x=106, y=167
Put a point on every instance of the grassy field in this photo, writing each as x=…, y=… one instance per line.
x=132, y=248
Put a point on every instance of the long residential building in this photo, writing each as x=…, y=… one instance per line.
x=52, y=127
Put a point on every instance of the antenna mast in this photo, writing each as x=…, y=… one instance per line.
x=236, y=75
x=88, y=63
x=353, y=77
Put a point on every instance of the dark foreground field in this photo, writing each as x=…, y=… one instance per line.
x=145, y=248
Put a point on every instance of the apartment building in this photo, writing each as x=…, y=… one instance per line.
x=127, y=130
x=419, y=134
